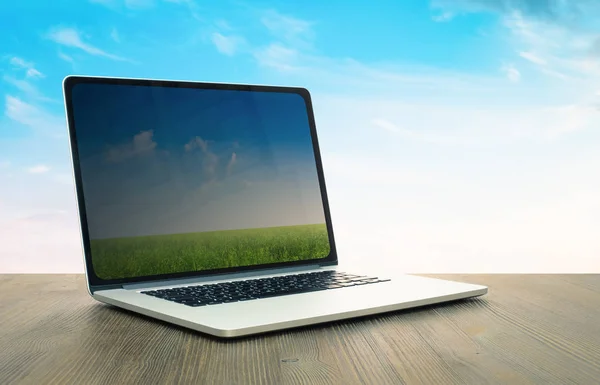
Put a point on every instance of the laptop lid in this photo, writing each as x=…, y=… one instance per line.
x=182, y=179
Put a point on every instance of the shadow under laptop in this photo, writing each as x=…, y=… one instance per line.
x=348, y=326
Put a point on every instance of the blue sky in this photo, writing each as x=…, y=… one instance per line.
x=171, y=160
x=446, y=121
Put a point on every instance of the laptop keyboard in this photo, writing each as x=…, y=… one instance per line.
x=202, y=295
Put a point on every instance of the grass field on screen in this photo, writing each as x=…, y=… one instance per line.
x=160, y=254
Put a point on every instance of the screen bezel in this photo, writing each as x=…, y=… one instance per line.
x=93, y=280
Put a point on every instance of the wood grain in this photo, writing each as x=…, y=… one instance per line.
x=529, y=329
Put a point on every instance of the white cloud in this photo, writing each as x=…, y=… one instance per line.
x=142, y=143
x=511, y=72
x=562, y=53
x=70, y=37
x=114, y=34
x=227, y=45
x=25, y=87
x=210, y=159
x=196, y=142
x=555, y=74
x=223, y=24
x=66, y=57
x=231, y=164
x=574, y=11
x=533, y=58
x=193, y=8
x=38, y=169
x=278, y=57
x=443, y=17
x=348, y=75
x=292, y=35
x=498, y=112
x=345, y=73
x=18, y=110
x=294, y=31
x=19, y=62
x=431, y=136
x=5, y=164
x=545, y=34
x=558, y=48
x=34, y=117
x=31, y=71
x=570, y=118
x=444, y=124
x=386, y=125
x=22, y=85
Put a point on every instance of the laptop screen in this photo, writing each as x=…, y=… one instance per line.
x=178, y=180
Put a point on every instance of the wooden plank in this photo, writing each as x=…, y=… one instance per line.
x=529, y=329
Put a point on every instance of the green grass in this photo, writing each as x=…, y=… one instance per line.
x=159, y=254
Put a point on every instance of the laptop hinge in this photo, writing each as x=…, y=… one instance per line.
x=218, y=277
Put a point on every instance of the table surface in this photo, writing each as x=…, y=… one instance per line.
x=529, y=329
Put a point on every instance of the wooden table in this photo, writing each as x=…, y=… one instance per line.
x=529, y=329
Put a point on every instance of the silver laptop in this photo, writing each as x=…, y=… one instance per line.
x=204, y=205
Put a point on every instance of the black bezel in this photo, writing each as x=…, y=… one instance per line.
x=93, y=280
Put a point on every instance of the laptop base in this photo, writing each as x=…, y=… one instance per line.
x=270, y=314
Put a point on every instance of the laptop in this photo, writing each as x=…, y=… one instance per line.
x=204, y=205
